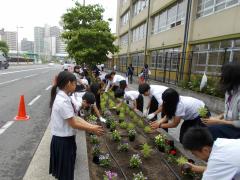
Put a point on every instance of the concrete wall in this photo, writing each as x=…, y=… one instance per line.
x=124, y=7
x=123, y=49
x=123, y=30
x=160, y=4
x=137, y=46
x=141, y=17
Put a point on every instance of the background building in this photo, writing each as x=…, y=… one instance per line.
x=177, y=38
x=27, y=45
x=39, y=40
x=10, y=37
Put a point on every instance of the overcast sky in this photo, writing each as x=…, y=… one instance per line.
x=30, y=13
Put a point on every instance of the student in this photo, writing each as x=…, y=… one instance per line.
x=63, y=125
x=81, y=86
x=130, y=71
x=223, y=161
x=115, y=81
x=146, y=73
x=177, y=107
x=96, y=90
x=134, y=96
x=155, y=93
x=228, y=125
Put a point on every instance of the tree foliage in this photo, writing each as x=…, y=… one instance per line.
x=4, y=48
x=88, y=36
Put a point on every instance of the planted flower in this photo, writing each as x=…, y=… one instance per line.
x=96, y=153
x=123, y=125
x=94, y=139
x=121, y=117
x=132, y=134
x=108, y=122
x=113, y=126
x=116, y=136
x=92, y=118
x=131, y=114
x=135, y=161
x=160, y=142
x=172, y=156
x=147, y=129
x=146, y=150
x=109, y=175
x=135, y=120
x=123, y=147
x=203, y=112
x=139, y=176
x=104, y=160
x=170, y=144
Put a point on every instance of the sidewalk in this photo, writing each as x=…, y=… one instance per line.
x=39, y=166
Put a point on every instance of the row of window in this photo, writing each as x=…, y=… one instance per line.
x=169, y=18
x=139, y=32
x=124, y=40
x=139, y=6
x=125, y=18
x=207, y=7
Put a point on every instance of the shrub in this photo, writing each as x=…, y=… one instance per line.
x=135, y=161
x=116, y=136
x=94, y=139
x=146, y=150
x=123, y=147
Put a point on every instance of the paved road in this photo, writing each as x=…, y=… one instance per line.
x=19, y=140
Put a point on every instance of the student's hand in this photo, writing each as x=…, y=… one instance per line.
x=145, y=112
x=102, y=119
x=98, y=130
x=136, y=110
x=151, y=116
x=155, y=124
x=211, y=121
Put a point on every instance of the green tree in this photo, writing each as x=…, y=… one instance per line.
x=4, y=48
x=88, y=36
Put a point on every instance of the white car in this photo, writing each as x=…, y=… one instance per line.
x=51, y=64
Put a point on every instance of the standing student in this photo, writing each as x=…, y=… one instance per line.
x=223, y=161
x=80, y=82
x=134, y=96
x=177, y=107
x=146, y=73
x=155, y=93
x=130, y=71
x=228, y=125
x=115, y=81
x=63, y=125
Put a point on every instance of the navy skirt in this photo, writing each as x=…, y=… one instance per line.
x=62, y=157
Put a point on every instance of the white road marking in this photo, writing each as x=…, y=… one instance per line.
x=23, y=71
x=6, y=82
x=34, y=100
x=48, y=87
x=7, y=125
x=30, y=76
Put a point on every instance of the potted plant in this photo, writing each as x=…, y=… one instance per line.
x=113, y=126
x=104, y=160
x=147, y=129
x=123, y=125
x=135, y=161
x=94, y=139
x=132, y=134
x=109, y=175
x=139, y=176
x=123, y=147
x=96, y=153
x=116, y=136
x=146, y=150
x=160, y=142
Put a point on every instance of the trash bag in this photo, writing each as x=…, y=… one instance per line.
x=203, y=81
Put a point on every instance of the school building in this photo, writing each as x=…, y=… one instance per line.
x=177, y=38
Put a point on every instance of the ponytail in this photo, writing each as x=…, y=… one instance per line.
x=53, y=95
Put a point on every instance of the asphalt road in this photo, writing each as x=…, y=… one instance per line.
x=19, y=139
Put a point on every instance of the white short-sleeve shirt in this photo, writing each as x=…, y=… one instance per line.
x=188, y=107
x=157, y=91
x=131, y=95
x=61, y=111
x=117, y=78
x=224, y=160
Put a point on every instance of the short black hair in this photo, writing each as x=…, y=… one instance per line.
x=113, y=73
x=142, y=88
x=94, y=88
x=89, y=97
x=119, y=93
x=196, y=138
x=123, y=84
x=108, y=76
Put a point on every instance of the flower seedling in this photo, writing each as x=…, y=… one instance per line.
x=160, y=142
x=172, y=156
x=109, y=175
x=181, y=160
x=146, y=150
x=132, y=134
x=131, y=114
x=135, y=120
x=130, y=126
x=203, y=112
x=121, y=117
x=108, y=122
x=113, y=126
x=96, y=153
x=135, y=161
x=123, y=125
x=147, y=129
x=104, y=160
x=123, y=147
x=139, y=176
x=92, y=118
x=116, y=136
x=140, y=124
x=94, y=139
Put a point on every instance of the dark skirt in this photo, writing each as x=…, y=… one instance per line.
x=62, y=157
x=153, y=107
x=139, y=102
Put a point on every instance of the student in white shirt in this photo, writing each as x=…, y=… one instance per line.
x=155, y=93
x=177, y=107
x=63, y=125
x=222, y=156
x=115, y=81
x=134, y=96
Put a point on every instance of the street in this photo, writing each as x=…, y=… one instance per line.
x=19, y=139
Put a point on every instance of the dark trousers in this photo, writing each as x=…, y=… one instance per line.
x=153, y=107
x=130, y=77
x=224, y=131
x=139, y=102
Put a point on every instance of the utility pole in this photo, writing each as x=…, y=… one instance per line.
x=17, y=43
x=83, y=2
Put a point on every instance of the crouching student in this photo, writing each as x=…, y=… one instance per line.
x=134, y=96
x=177, y=107
x=223, y=161
x=63, y=124
x=115, y=81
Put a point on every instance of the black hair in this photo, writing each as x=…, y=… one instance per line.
x=85, y=72
x=119, y=93
x=146, y=65
x=89, y=97
x=112, y=73
x=170, y=99
x=62, y=80
x=76, y=67
x=142, y=88
x=196, y=138
x=94, y=88
x=230, y=77
x=123, y=84
x=108, y=76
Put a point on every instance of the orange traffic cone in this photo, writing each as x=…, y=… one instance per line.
x=21, y=111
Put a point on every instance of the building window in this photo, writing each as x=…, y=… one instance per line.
x=139, y=32
x=210, y=57
x=124, y=40
x=125, y=18
x=123, y=60
x=139, y=6
x=207, y=7
x=138, y=59
x=170, y=17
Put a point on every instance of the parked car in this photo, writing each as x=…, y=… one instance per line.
x=3, y=62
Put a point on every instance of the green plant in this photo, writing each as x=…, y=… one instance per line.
x=104, y=160
x=131, y=114
x=94, y=139
x=130, y=126
x=181, y=160
x=123, y=125
x=146, y=150
x=139, y=176
x=96, y=150
x=147, y=129
x=108, y=122
x=135, y=119
x=135, y=161
x=160, y=141
x=132, y=132
x=140, y=123
x=92, y=118
x=113, y=125
x=203, y=112
x=171, y=156
x=122, y=116
x=116, y=136
x=123, y=147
